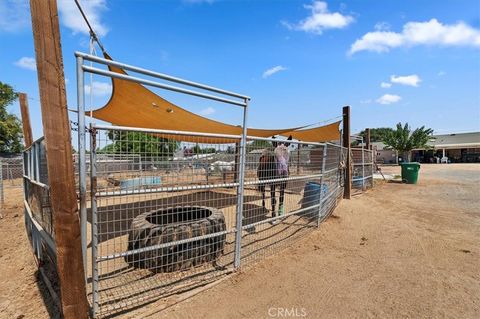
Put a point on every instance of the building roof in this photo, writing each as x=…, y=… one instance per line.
x=458, y=140
x=454, y=140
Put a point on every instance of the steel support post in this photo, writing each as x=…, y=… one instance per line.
x=81, y=160
x=93, y=191
x=241, y=179
x=324, y=161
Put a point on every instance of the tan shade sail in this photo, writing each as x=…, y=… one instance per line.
x=132, y=104
x=324, y=133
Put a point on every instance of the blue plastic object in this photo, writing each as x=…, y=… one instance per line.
x=140, y=182
x=311, y=196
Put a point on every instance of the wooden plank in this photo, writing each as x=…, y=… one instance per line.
x=56, y=127
x=346, y=143
x=27, y=128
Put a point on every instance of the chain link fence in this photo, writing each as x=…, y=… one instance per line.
x=173, y=216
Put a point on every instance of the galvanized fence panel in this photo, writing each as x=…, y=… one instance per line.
x=161, y=226
x=174, y=221
x=11, y=177
x=363, y=169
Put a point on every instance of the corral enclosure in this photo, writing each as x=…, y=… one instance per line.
x=179, y=255
x=166, y=211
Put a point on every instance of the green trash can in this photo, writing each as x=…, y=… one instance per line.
x=410, y=172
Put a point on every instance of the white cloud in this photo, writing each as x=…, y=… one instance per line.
x=411, y=80
x=385, y=85
x=15, y=15
x=72, y=19
x=27, y=63
x=273, y=70
x=207, y=111
x=99, y=88
x=419, y=33
x=382, y=26
x=442, y=73
x=388, y=99
x=320, y=19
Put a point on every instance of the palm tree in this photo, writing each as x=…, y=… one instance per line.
x=403, y=140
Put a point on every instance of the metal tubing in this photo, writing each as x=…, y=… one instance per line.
x=93, y=190
x=158, y=131
x=363, y=166
x=37, y=162
x=82, y=160
x=324, y=160
x=160, y=85
x=45, y=236
x=206, y=186
x=271, y=139
x=36, y=182
x=238, y=225
x=188, y=133
x=161, y=246
x=158, y=75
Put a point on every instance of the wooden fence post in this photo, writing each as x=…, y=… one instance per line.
x=27, y=128
x=347, y=145
x=367, y=139
x=56, y=128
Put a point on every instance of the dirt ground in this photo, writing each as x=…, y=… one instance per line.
x=397, y=251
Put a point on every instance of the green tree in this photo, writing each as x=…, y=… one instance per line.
x=10, y=126
x=206, y=150
x=258, y=144
x=377, y=134
x=403, y=140
x=144, y=144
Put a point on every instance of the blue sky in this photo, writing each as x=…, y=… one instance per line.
x=300, y=61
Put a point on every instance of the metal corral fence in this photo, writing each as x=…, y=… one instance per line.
x=11, y=173
x=176, y=223
x=168, y=211
x=38, y=212
x=363, y=168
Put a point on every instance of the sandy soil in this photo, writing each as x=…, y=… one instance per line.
x=397, y=251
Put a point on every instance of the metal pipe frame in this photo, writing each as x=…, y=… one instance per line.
x=161, y=246
x=363, y=165
x=239, y=219
x=43, y=234
x=82, y=160
x=324, y=160
x=208, y=186
x=201, y=134
x=160, y=85
x=170, y=132
x=94, y=229
x=162, y=76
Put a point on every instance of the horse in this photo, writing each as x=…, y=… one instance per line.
x=271, y=167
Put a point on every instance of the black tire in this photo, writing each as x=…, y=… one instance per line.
x=173, y=224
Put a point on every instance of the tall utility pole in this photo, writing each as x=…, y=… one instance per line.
x=346, y=144
x=56, y=128
x=27, y=128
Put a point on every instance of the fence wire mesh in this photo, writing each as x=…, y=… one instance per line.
x=363, y=169
x=11, y=176
x=163, y=212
